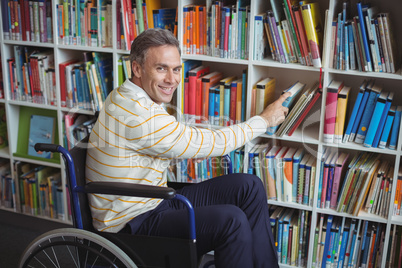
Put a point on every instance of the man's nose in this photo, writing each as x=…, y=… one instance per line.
x=169, y=76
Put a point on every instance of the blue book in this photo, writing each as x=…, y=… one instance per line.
x=211, y=104
x=344, y=245
x=104, y=64
x=387, y=128
x=325, y=154
x=354, y=113
x=352, y=55
x=383, y=119
x=295, y=91
x=297, y=157
x=366, y=87
x=367, y=114
x=164, y=18
x=243, y=95
x=78, y=86
x=217, y=105
x=395, y=128
x=285, y=235
x=339, y=42
x=347, y=23
x=327, y=240
x=226, y=104
x=331, y=170
x=364, y=37
x=41, y=130
x=375, y=119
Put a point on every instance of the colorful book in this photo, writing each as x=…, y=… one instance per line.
x=41, y=130
x=353, y=115
x=330, y=110
x=379, y=109
x=342, y=105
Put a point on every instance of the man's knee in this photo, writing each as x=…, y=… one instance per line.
x=233, y=222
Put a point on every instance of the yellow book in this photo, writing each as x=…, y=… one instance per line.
x=238, y=100
x=314, y=31
x=151, y=5
x=266, y=94
x=222, y=85
x=253, y=97
x=342, y=103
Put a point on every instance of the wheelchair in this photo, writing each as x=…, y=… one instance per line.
x=83, y=246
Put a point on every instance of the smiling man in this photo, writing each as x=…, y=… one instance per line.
x=135, y=140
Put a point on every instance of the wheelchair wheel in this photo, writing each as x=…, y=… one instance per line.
x=70, y=247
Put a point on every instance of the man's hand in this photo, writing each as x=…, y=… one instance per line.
x=275, y=113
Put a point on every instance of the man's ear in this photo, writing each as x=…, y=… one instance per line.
x=136, y=69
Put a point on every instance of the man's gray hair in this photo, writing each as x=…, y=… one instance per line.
x=153, y=37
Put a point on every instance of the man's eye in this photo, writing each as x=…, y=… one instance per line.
x=177, y=70
x=161, y=68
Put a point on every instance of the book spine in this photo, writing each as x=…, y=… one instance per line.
x=366, y=117
x=374, y=122
x=364, y=36
x=387, y=129
x=330, y=115
x=353, y=116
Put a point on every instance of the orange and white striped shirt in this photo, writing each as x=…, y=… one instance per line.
x=134, y=140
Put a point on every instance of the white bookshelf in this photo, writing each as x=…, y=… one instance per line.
x=310, y=136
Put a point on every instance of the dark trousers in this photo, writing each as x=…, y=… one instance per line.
x=232, y=218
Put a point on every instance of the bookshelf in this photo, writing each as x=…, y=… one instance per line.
x=309, y=135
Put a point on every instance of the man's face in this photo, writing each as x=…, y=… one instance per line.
x=160, y=73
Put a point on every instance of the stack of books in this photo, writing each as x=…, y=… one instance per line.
x=373, y=122
x=86, y=84
x=363, y=42
x=32, y=76
x=363, y=183
x=211, y=98
x=217, y=29
x=344, y=242
x=27, y=20
x=291, y=234
x=288, y=173
x=294, y=33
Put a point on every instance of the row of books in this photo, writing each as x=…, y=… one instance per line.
x=373, y=122
x=291, y=231
x=32, y=76
x=363, y=42
x=394, y=255
x=300, y=102
x=86, y=83
x=75, y=128
x=294, y=33
x=27, y=20
x=124, y=69
x=288, y=173
x=35, y=190
x=217, y=29
x=194, y=170
x=85, y=23
x=344, y=242
x=363, y=183
x=211, y=98
x=137, y=16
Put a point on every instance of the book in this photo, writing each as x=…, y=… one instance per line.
x=379, y=109
x=339, y=173
x=387, y=128
x=330, y=110
x=395, y=128
x=265, y=90
x=288, y=175
x=41, y=130
x=367, y=85
x=164, y=18
x=278, y=160
x=271, y=172
x=295, y=91
x=364, y=36
x=297, y=157
x=353, y=115
x=367, y=114
x=342, y=104
x=193, y=75
x=381, y=124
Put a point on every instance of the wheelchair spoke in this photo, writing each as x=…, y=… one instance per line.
x=44, y=252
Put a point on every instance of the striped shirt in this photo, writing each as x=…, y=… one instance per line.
x=134, y=140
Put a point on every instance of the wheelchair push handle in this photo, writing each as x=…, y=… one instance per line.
x=46, y=147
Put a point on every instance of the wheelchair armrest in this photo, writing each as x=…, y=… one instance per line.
x=130, y=189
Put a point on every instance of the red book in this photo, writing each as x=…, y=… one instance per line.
x=62, y=70
x=330, y=110
x=338, y=175
x=302, y=34
x=11, y=72
x=22, y=12
x=198, y=100
x=192, y=90
x=186, y=99
x=27, y=19
x=130, y=23
x=233, y=98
